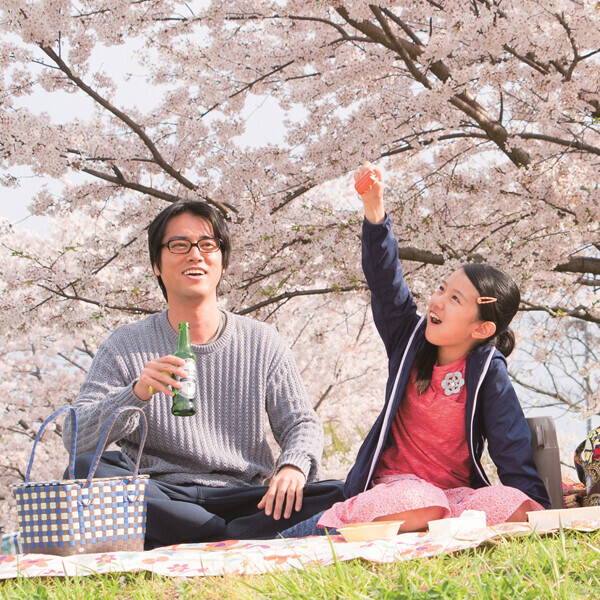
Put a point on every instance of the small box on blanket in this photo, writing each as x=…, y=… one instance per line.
x=77, y=516
x=565, y=517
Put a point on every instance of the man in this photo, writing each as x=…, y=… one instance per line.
x=207, y=472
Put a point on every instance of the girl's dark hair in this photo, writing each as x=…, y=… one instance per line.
x=489, y=282
x=156, y=230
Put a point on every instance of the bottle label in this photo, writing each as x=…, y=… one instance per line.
x=190, y=382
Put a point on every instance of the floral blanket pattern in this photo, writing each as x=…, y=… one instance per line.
x=246, y=557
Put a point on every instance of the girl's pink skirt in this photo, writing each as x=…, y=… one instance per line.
x=394, y=494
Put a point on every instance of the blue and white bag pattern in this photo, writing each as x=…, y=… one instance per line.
x=77, y=516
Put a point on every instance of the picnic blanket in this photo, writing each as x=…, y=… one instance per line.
x=251, y=557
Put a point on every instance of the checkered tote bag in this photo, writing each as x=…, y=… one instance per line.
x=77, y=516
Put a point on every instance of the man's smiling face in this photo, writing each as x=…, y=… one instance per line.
x=194, y=276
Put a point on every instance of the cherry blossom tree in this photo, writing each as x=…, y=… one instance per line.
x=484, y=114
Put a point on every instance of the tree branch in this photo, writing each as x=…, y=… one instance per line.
x=562, y=400
x=578, y=312
x=291, y=196
x=135, y=127
x=322, y=398
x=294, y=294
x=463, y=101
x=132, y=185
x=250, y=85
x=560, y=142
x=76, y=297
x=575, y=264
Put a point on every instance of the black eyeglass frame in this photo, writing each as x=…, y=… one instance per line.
x=192, y=244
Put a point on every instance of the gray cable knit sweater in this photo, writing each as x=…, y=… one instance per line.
x=245, y=375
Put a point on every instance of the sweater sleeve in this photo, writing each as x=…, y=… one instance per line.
x=108, y=386
x=394, y=310
x=293, y=421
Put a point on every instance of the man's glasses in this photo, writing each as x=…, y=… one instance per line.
x=206, y=245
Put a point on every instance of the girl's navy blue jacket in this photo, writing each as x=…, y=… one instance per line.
x=493, y=411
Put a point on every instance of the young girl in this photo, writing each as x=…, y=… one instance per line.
x=448, y=391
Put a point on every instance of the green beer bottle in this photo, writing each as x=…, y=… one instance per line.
x=184, y=400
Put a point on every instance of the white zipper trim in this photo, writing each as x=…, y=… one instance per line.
x=382, y=433
x=481, y=378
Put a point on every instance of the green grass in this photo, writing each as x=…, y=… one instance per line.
x=565, y=566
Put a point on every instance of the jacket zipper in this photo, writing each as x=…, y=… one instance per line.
x=383, y=432
x=486, y=366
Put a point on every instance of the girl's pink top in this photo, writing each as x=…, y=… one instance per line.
x=429, y=432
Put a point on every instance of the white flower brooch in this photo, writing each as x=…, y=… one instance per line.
x=453, y=383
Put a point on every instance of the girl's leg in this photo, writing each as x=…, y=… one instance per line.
x=305, y=528
x=500, y=503
x=403, y=497
x=520, y=515
x=416, y=519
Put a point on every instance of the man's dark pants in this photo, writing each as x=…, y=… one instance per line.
x=178, y=514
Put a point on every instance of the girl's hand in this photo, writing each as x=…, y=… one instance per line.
x=157, y=377
x=373, y=197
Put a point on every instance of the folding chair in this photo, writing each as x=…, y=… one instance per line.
x=547, y=457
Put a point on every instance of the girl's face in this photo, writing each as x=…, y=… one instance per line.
x=453, y=322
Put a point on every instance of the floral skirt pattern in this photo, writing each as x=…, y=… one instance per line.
x=398, y=493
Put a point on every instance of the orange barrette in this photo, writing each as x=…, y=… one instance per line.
x=486, y=300
x=365, y=183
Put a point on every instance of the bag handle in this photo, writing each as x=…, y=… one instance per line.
x=104, y=439
x=73, y=448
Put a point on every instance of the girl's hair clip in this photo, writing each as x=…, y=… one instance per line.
x=486, y=300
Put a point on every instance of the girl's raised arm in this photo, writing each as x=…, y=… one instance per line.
x=370, y=190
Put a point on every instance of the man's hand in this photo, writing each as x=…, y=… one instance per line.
x=157, y=377
x=287, y=487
